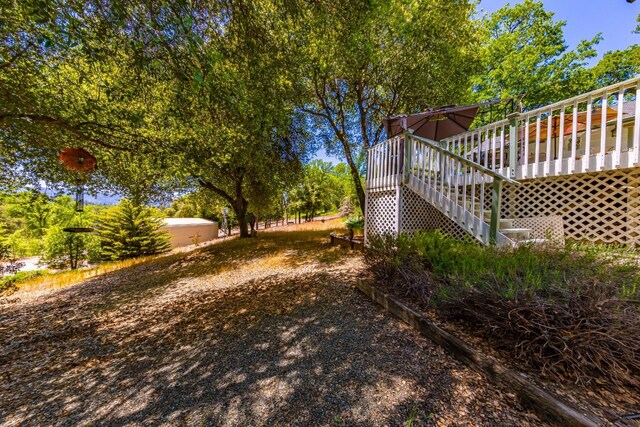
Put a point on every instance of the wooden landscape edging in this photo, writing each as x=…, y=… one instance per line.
x=544, y=403
x=346, y=242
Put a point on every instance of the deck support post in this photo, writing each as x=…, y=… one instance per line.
x=406, y=170
x=513, y=143
x=496, y=200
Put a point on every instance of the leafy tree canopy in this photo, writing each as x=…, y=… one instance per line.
x=166, y=96
x=232, y=97
x=363, y=61
x=524, y=54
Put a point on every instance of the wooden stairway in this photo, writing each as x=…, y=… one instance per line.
x=457, y=186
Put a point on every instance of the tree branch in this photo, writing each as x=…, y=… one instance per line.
x=219, y=191
x=63, y=124
x=315, y=113
x=363, y=113
x=16, y=56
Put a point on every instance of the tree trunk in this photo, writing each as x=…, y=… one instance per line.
x=71, y=264
x=240, y=210
x=356, y=180
x=252, y=224
x=238, y=203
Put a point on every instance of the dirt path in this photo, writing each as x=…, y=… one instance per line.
x=266, y=331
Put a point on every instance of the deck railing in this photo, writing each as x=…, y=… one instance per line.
x=384, y=165
x=599, y=130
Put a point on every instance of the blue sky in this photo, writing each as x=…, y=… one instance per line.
x=615, y=19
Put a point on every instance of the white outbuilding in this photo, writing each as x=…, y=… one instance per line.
x=189, y=231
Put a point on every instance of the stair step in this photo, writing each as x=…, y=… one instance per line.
x=513, y=232
x=505, y=224
x=532, y=241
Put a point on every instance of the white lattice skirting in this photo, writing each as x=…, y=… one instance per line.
x=601, y=207
x=381, y=213
x=415, y=214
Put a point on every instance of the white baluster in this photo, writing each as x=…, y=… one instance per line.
x=536, y=171
x=473, y=200
x=486, y=151
x=525, y=161
x=586, y=158
x=574, y=138
x=398, y=161
x=442, y=177
x=466, y=152
x=615, y=161
x=464, y=191
x=430, y=166
x=423, y=186
x=603, y=133
x=456, y=174
x=636, y=129
x=502, y=149
x=559, y=169
x=386, y=173
x=493, y=148
x=374, y=167
x=370, y=170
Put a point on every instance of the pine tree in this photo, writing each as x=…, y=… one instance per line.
x=128, y=231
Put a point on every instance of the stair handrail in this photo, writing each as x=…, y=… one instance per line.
x=436, y=146
x=498, y=179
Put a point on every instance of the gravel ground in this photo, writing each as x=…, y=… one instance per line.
x=269, y=331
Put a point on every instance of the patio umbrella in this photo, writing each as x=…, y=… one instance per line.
x=433, y=124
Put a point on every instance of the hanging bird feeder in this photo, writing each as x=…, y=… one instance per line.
x=78, y=159
x=81, y=162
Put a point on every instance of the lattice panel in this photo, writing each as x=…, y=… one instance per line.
x=381, y=212
x=599, y=207
x=543, y=227
x=417, y=214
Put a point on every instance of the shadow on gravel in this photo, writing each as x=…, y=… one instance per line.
x=304, y=350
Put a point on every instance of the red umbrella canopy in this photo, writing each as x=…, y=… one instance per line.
x=77, y=159
x=433, y=124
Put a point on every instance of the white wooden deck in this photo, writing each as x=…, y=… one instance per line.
x=589, y=137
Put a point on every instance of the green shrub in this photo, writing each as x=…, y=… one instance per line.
x=355, y=223
x=8, y=283
x=63, y=249
x=130, y=231
x=508, y=272
x=24, y=245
